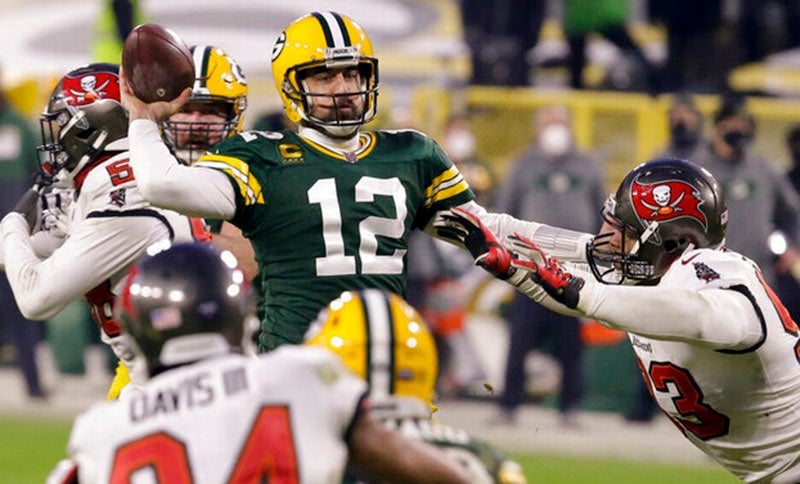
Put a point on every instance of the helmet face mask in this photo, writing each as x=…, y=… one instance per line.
x=82, y=118
x=383, y=340
x=661, y=209
x=220, y=88
x=326, y=41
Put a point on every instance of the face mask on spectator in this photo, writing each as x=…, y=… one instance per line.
x=736, y=139
x=555, y=139
x=683, y=136
x=460, y=144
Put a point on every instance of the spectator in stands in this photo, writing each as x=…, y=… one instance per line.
x=765, y=27
x=685, y=128
x=696, y=59
x=607, y=18
x=18, y=162
x=555, y=183
x=461, y=145
x=761, y=200
x=498, y=34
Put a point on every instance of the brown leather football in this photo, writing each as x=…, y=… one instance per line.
x=157, y=63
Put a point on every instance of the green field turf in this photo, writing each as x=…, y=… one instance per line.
x=29, y=448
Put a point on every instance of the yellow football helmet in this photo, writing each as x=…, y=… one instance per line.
x=323, y=40
x=381, y=338
x=218, y=81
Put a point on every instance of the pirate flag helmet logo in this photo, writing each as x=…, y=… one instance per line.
x=667, y=206
x=666, y=200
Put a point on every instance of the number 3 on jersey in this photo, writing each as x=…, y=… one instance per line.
x=336, y=262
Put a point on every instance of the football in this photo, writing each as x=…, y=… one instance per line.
x=157, y=63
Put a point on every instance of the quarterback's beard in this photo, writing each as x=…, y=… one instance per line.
x=343, y=111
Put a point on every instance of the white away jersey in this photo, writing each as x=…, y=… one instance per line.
x=281, y=417
x=110, y=227
x=742, y=407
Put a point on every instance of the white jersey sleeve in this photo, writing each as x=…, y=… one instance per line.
x=286, y=413
x=111, y=227
x=195, y=191
x=566, y=245
x=683, y=306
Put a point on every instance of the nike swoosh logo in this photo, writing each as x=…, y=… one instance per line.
x=690, y=259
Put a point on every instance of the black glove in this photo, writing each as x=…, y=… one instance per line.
x=467, y=229
x=546, y=271
x=27, y=206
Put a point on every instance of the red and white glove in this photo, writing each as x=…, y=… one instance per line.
x=546, y=271
x=466, y=228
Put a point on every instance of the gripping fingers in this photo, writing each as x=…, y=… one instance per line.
x=454, y=225
x=453, y=233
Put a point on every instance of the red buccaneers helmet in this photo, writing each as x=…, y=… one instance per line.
x=667, y=206
x=83, y=118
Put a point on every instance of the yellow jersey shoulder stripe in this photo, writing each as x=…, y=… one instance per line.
x=449, y=184
x=249, y=186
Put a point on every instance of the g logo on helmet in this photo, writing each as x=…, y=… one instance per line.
x=278, y=47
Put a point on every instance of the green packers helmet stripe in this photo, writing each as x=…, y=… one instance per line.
x=380, y=348
x=200, y=55
x=334, y=28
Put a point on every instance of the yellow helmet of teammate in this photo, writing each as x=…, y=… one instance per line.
x=383, y=339
x=219, y=82
x=323, y=40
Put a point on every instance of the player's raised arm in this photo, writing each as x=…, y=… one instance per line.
x=163, y=181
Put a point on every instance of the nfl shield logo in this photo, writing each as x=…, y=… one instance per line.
x=118, y=197
x=350, y=157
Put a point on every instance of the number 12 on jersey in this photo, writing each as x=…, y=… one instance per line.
x=335, y=262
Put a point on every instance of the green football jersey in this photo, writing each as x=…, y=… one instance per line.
x=322, y=222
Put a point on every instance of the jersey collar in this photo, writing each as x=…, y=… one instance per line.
x=350, y=150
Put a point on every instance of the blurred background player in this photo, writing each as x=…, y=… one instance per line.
x=215, y=111
x=84, y=141
x=328, y=208
x=384, y=340
x=18, y=162
x=216, y=105
x=187, y=309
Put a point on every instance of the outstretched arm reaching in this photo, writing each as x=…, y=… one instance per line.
x=567, y=245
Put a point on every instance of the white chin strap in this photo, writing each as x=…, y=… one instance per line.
x=644, y=237
x=68, y=176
